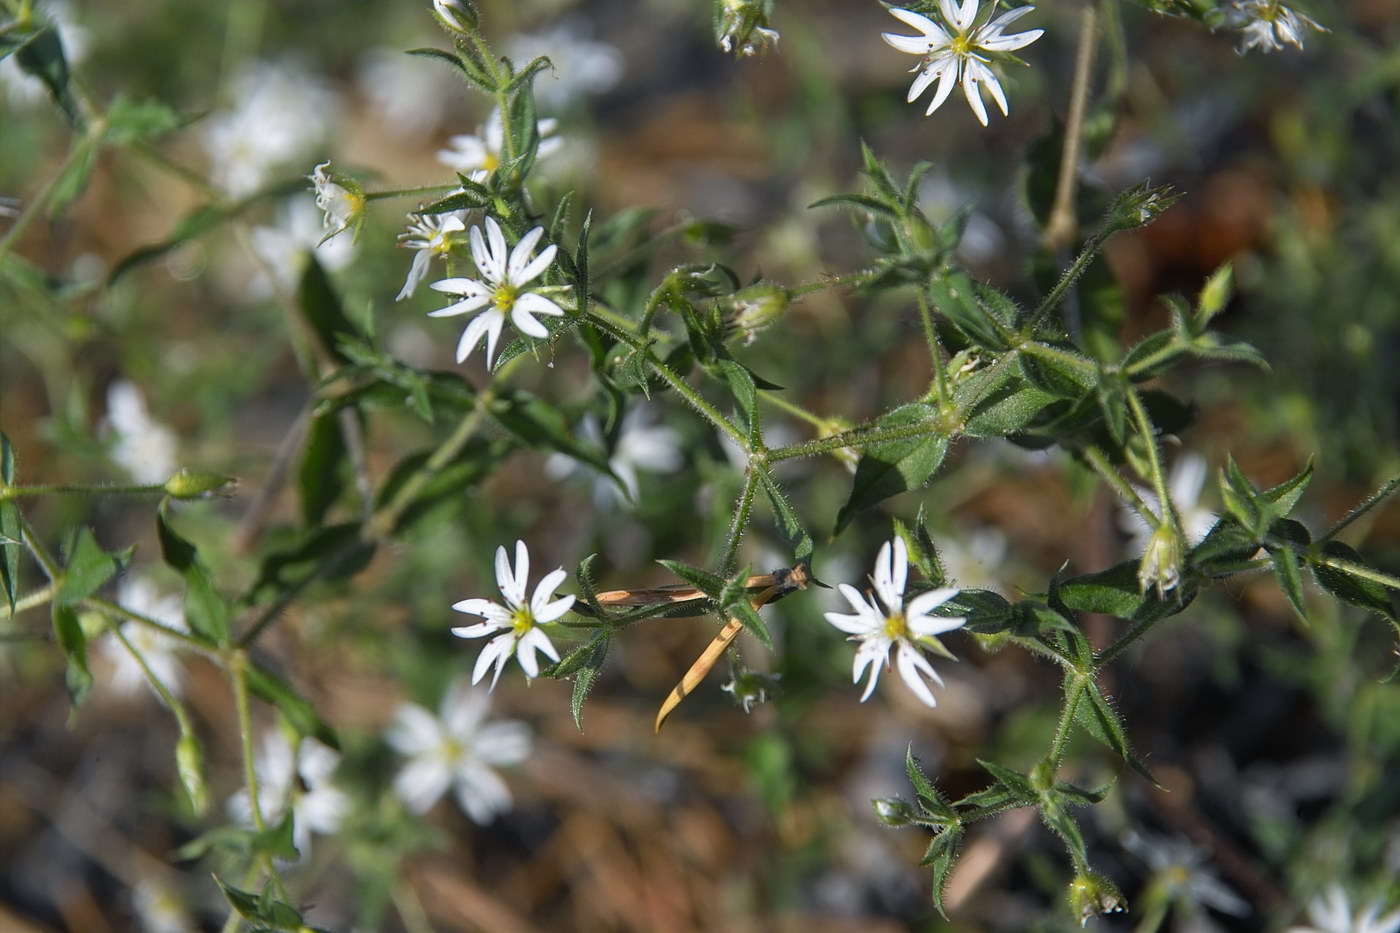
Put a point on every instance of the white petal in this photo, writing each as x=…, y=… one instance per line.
x=911, y=664
x=920, y=22
x=1009, y=43
x=480, y=256
x=493, y=334
x=974, y=97
x=870, y=655
x=463, y=707
x=913, y=45
x=465, y=306
x=416, y=273
x=532, y=303
x=488, y=325
x=481, y=793
x=994, y=87
x=500, y=253
x=480, y=607
x=947, y=78
x=413, y=730
x=503, y=743
x=520, y=257
x=966, y=14
x=546, y=587
x=538, y=266
x=421, y=782
x=921, y=83
x=520, y=317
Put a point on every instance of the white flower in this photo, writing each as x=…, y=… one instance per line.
x=296, y=778
x=160, y=908
x=341, y=206
x=953, y=57
x=896, y=625
x=518, y=621
x=581, y=65
x=1331, y=913
x=156, y=649
x=1269, y=25
x=455, y=15
x=1179, y=868
x=431, y=235
x=404, y=93
x=456, y=749
x=640, y=447
x=479, y=155
x=280, y=112
x=142, y=446
x=283, y=247
x=501, y=287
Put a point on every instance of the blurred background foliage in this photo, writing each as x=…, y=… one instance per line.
x=1275, y=743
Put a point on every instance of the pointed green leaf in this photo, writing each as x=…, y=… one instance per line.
x=789, y=525
x=1117, y=592
x=941, y=854
x=299, y=713
x=1096, y=715
x=891, y=467
x=87, y=569
x=321, y=306
x=206, y=610
x=706, y=582
x=324, y=468
x=1336, y=571
x=68, y=632
x=10, y=534
x=1290, y=580
x=1014, y=781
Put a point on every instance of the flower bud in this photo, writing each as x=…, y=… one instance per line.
x=1161, y=560
x=189, y=484
x=189, y=762
x=754, y=308
x=893, y=812
x=751, y=687
x=1091, y=894
x=457, y=16
x=743, y=27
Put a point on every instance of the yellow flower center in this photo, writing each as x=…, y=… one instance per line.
x=961, y=47
x=504, y=300
x=521, y=620
x=491, y=162
x=896, y=628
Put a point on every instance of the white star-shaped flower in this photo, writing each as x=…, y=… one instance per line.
x=504, y=274
x=896, y=626
x=955, y=55
x=518, y=621
x=1180, y=869
x=1331, y=913
x=477, y=156
x=456, y=749
x=1269, y=25
x=431, y=235
x=157, y=649
x=641, y=447
x=299, y=779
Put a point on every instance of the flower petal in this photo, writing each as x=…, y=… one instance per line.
x=911, y=664
x=538, y=266
x=947, y=78
x=974, y=96
x=520, y=256
x=413, y=730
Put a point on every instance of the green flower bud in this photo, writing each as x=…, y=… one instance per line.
x=189, y=762
x=1160, y=569
x=457, y=16
x=753, y=309
x=1091, y=894
x=893, y=812
x=189, y=484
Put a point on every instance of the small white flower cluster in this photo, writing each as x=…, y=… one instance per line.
x=296, y=779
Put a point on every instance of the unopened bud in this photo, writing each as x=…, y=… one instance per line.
x=893, y=812
x=457, y=16
x=1160, y=569
x=1091, y=894
x=189, y=484
x=189, y=762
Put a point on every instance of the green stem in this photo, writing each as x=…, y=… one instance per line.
x=863, y=436
x=797, y=411
x=409, y=192
x=80, y=489
x=51, y=568
x=176, y=707
x=1371, y=502
x=188, y=639
x=40, y=200
x=682, y=387
x=741, y=519
x=383, y=522
x=1154, y=462
x=1066, y=724
x=1061, y=227
x=238, y=673
x=25, y=603
x=839, y=281
x=1127, y=638
x=1099, y=461
x=1081, y=262
x=935, y=350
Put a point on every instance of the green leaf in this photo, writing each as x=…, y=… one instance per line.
x=1290, y=580
x=447, y=489
x=206, y=610
x=987, y=613
x=1153, y=355
x=999, y=401
x=264, y=911
x=789, y=525
x=189, y=764
x=941, y=854
x=300, y=714
x=1285, y=495
x=87, y=569
x=858, y=201
x=320, y=305
x=1014, y=781
x=891, y=467
x=1347, y=584
x=928, y=795
x=744, y=611
x=741, y=386
x=1058, y=372
x=583, y=680
x=73, y=180
x=955, y=297
x=134, y=120
x=542, y=426
x=42, y=56
x=328, y=554
x=1215, y=294
x=1096, y=715
x=704, y=581
x=1117, y=592
x=473, y=197
x=10, y=534
x=1064, y=826
x=322, y=475
x=468, y=69
x=68, y=632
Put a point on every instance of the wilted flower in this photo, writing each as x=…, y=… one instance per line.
x=749, y=688
x=156, y=649
x=956, y=57
x=1331, y=913
x=896, y=626
x=456, y=749
x=431, y=235
x=518, y=621
x=1269, y=25
x=343, y=206
x=298, y=779
x=142, y=446
x=477, y=156
x=1092, y=894
x=501, y=287
x=581, y=65
x=1179, y=870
